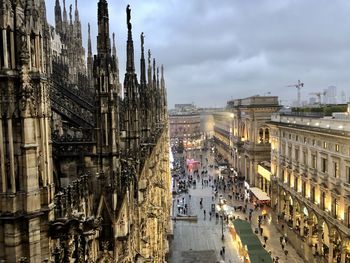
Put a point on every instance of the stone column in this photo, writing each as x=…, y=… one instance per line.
x=302, y=225
x=2, y=161
x=12, y=45
x=11, y=154
x=294, y=216
x=319, y=239
x=343, y=255
x=34, y=240
x=309, y=238
x=4, y=47
x=330, y=255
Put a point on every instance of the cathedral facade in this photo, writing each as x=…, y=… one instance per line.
x=84, y=166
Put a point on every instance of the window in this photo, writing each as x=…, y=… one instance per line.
x=324, y=163
x=313, y=194
x=304, y=158
x=284, y=135
x=323, y=200
x=267, y=136
x=288, y=179
x=337, y=147
x=336, y=169
x=297, y=138
x=289, y=151
x=303, y=189
x=261, y=135
x=335, y=207
x=347, y=170
x=313, y=161
x=290, y=136
x=348, y=216
x=313, y=142
x=296, y=155
x=324, y=145
x=296, y=181
x=305, y=140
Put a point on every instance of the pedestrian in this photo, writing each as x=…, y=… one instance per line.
x=189, y=197
x=261, y=231
x=204, y=212
x=223, y=250
x=286, y=252
x=265, y=239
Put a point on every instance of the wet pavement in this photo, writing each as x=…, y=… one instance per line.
x=201, y=241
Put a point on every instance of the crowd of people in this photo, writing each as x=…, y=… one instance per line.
x=205, y=174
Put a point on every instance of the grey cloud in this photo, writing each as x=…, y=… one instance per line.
x=217, y=50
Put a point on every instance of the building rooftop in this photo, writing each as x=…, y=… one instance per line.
x=338, y=122
x=254, y=101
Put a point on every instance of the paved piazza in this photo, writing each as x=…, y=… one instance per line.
x=201, y=242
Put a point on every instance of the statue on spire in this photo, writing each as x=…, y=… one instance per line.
x=70, y=14
x=142, y=41
x=128, y=17
x=149, y=57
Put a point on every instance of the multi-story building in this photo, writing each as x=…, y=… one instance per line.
x=223, y=123
x=310, y=167
x=185, y=127
x=251, y=136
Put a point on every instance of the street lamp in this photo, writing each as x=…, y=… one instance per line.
x=221, y=209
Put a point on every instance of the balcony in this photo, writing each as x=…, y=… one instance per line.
x=257, y=147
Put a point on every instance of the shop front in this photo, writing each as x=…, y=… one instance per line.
x=247, y=243
x=264, y=178
x=259, y=197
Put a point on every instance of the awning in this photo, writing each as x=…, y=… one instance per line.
x=259, y=194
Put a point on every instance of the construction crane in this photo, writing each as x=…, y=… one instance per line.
x=299, y=85
x=318, y=95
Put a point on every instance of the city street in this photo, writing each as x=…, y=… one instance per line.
x=201, y=241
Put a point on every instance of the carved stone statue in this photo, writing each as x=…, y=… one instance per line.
x=149, y=57
x=142, y=40
x=128, y=17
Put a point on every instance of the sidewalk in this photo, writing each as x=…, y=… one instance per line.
x=269, y=229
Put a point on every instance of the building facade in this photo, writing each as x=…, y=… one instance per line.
x=251, y=136
x=116, y=206
x=185, y=127
x=310, y=167
x=223, y=131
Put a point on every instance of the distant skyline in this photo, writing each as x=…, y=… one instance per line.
x=215, y=51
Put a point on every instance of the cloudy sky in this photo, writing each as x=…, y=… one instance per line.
x=217, y=50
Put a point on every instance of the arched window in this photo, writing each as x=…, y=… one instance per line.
x=39, y=53
x=32, y=50
x=243, y=131
x=8, y=46
x=261, y=135
x=267, y=135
